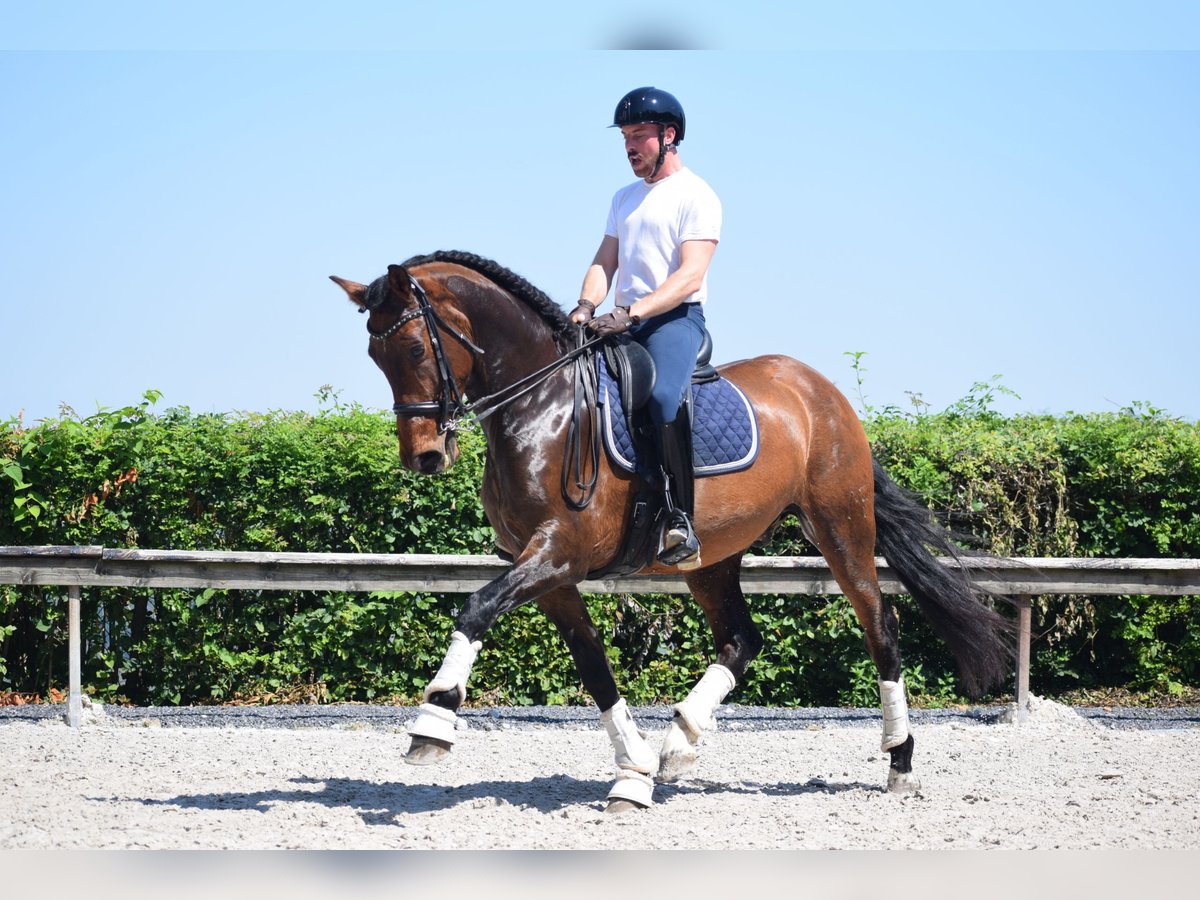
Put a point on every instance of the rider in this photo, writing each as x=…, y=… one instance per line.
x=661, y=234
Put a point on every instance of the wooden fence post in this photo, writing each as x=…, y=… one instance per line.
x=1024, y=632
x=74, y=692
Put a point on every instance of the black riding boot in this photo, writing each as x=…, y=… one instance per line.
x=680, y=546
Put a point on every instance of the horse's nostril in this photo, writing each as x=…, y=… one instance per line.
x=430, y=462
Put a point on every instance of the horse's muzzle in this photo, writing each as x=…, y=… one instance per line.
x=440, y=456
x=431, y=462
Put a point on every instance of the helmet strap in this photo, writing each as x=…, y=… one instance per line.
x=662, y=150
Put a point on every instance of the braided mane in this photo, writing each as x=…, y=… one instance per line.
x=550, y=312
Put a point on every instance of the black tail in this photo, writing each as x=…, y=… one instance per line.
x=960, y=612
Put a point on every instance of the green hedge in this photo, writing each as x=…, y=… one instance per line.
x=1124, y=484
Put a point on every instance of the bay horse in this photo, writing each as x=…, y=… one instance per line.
x=451, y=325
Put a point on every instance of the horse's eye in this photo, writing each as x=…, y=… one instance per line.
x=416, y=351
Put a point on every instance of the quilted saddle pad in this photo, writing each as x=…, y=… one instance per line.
x=724, y=428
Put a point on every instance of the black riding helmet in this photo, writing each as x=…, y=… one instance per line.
x=649, y=104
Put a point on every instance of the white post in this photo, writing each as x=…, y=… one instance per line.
x=74, y=694
x=1024, y=629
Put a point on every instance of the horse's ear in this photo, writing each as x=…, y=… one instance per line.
x=398, y=280
x=357, y=292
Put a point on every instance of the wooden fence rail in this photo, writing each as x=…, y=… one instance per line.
x=73, y=567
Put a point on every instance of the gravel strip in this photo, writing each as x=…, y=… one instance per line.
x=732, y=717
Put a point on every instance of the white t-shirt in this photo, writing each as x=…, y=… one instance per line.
x=651, y=222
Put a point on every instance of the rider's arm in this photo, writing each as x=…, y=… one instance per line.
x=600, y=273
x=694, y=257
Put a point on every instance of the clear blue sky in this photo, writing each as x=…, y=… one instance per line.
x=957, y=190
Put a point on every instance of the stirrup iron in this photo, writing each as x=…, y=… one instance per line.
x=679, y=541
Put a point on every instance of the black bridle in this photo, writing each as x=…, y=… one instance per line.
x=452, y=405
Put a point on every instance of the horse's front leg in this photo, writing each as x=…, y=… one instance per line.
x=736, y=641
x=635, y=760
x=535, y=573
x=432, y=732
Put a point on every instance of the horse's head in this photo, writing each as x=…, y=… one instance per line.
x=416, y=341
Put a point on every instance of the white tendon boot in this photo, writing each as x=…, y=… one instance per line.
x=895, y=732
x=435, y=721
x=895, y=713
x=635, y=759
x=693, y=716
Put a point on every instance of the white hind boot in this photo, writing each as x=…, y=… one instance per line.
x=894, y=702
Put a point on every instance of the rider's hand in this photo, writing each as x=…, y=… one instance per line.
x=582, y=314
x=616, y=322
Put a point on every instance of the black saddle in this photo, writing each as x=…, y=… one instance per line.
x=705, y=371
x=632, y=367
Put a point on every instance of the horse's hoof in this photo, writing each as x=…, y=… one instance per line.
x=633, y=789
x=676, y=767
x=902, y=782
x=678, y=756
x=425, y=751
x=622, y=806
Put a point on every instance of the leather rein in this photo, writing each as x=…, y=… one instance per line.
x=452, y=405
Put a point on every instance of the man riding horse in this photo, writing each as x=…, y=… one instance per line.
x=661, y=234
x=451, y=325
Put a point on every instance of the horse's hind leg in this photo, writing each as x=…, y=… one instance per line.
x=736, y=640
x=635, y=760
x=845, y=535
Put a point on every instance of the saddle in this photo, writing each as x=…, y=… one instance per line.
x=632, y=368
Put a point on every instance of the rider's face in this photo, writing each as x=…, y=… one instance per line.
x=641, y=146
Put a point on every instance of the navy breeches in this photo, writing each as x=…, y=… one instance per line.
x=673, y=340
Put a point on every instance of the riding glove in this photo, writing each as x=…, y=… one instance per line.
x=616, y=322
x=582, y=314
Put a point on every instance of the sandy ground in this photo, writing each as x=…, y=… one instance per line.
x=1057, y=781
